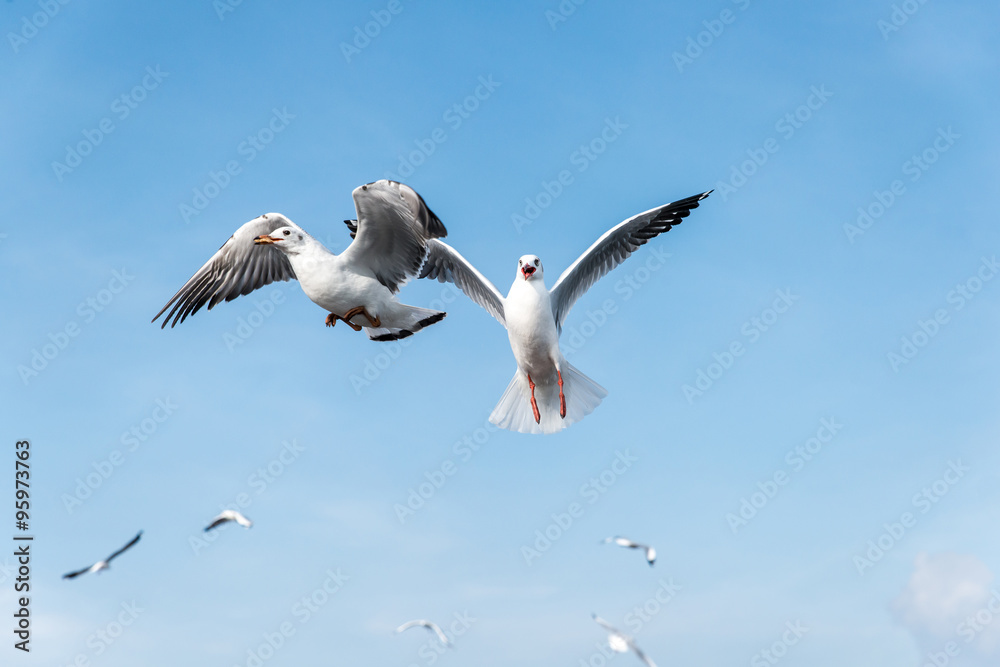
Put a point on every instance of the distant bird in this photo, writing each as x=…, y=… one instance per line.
x=619, y=642
x=393, y=228
x=629, y=544
x=229, y=515
x=547, y=393
x=103, y=564
x=430, y=625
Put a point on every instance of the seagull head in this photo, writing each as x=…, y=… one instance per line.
x=291, y=240
x=530, y=267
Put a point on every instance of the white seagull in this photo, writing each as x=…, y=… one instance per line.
x=629, y=544
x=619, y=642
x=393, y=228
x=103, y=564
x=547, y=393
x=229, y=515
x=430, y=625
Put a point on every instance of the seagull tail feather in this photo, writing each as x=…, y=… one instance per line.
x=514, y=412
x=413, y=320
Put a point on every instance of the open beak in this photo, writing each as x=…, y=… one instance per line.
x=264, y=239
x=527, y=271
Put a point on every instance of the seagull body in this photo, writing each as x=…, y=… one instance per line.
x=430, y=625
x=619, y=642
x=103, y=564
x=629, y=544
x=547, y=393
x=358, y=286
x=226, y=516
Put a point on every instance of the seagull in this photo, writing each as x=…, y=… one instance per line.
x=547, y=393
x=430, y=625
x=229, y=515
x=392, y=230
x=103, y=564
x=620, y=642
x=629, y=544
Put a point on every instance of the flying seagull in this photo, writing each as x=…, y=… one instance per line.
x=547, y=393
x=620, y=642
x=229, y=515
x=430, y=625
x=629, y=544
x=357, y=286
x=103, y=564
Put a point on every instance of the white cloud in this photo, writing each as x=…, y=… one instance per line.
x=952, y=599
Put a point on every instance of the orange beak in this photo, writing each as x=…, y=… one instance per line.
x=264, y=239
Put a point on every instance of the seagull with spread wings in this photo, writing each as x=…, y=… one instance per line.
x=226, y=516
x=430, y=625
x=619, y=642
x=547, y=393
x=629, y=544
x=103, y=564
x=358, y=286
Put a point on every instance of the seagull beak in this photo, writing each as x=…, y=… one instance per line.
x=264, y=239
x=528, y=270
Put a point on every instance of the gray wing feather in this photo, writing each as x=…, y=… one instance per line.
x=613, y=248
x=446, y=265
x=391, y=232
x=238, y=268
x=124, y=548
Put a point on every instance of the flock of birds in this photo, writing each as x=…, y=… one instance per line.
x=618, y=641
x=396, y=238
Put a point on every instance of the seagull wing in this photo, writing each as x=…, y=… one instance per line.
x=409, y=624
x=638, y=651
x=124, y=548
x=447, y=266
x=242, y=520
x=607, y=626
x=238, y=268
x=391, y=232
x=217, y=521
x=613, y=248
x=71, y=575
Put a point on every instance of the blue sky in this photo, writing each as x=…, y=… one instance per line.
x=853, y=152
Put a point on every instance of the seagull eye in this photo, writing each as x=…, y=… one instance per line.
x=287, y=232
x=536, y=262
x=364, y=187
x=520, y=262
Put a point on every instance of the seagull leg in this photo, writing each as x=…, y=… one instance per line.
x=332, y=318
x=361, y=310
x=562, y=397
x=534, y=404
